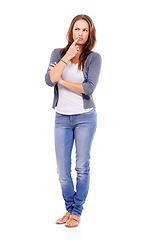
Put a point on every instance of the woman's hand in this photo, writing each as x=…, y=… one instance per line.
x=52, y=65
x=60, y=81
x=76, y=87
x=72, y=51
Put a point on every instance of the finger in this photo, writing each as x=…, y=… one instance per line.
x=51, y=68
x=52, y=65
x=77, y=48
x=74, y=43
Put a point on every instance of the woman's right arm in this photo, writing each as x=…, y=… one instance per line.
x=56, y=72
x=57, y=69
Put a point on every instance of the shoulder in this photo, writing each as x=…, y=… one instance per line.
x=94, y=55
x=56, y=51
x=55, y=55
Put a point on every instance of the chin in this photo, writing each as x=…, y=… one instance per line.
x=80, y=43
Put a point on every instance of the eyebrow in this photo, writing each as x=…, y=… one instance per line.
x=83, y=28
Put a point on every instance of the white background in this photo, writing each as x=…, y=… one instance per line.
x=118, y=205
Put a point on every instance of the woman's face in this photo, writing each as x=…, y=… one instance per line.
x=81, y=31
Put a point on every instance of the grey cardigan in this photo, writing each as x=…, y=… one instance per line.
x=91, y=74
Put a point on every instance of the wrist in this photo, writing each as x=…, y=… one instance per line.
x=66, y=58
x=61, y=81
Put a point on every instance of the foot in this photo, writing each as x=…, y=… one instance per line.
x=64, y=219
x=73, y=221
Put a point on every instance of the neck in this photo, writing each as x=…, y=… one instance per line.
x=75, y=59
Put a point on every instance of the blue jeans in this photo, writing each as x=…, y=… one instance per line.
x=79, y=128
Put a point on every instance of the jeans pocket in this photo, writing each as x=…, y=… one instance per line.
x=93, y=111
x=58, y=114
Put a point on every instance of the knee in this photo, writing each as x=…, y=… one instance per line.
x=64, y=177
x=83, y=169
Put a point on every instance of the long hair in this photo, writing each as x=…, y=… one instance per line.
x=90, y=43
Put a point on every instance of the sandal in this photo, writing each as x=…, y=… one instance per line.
x=76, y=221
x=64, y=219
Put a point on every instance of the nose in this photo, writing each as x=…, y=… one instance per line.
x=80, y=33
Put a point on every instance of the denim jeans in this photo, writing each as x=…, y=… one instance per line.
x=79, y=128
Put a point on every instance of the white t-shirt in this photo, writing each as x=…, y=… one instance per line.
x=70, y=102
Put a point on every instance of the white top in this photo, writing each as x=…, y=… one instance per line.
x=70, y=102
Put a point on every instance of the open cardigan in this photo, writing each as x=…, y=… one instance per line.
x=91, y=74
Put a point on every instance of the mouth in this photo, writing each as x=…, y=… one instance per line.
x=80, y=39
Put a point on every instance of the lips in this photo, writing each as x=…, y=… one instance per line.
x=80, y=39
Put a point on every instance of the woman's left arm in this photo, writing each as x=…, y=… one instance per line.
x=88, y=86
x=90, y=83
x=76, y=87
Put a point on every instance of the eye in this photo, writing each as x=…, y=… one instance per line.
x=85, y=30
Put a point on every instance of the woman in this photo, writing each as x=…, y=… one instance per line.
x=74, y=73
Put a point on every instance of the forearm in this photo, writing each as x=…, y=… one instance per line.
x=76, y=87
x=56, y=71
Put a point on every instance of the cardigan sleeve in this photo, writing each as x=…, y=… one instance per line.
x=90, y=83
x=55, y=57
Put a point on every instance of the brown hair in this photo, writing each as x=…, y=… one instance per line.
x=90, y=43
